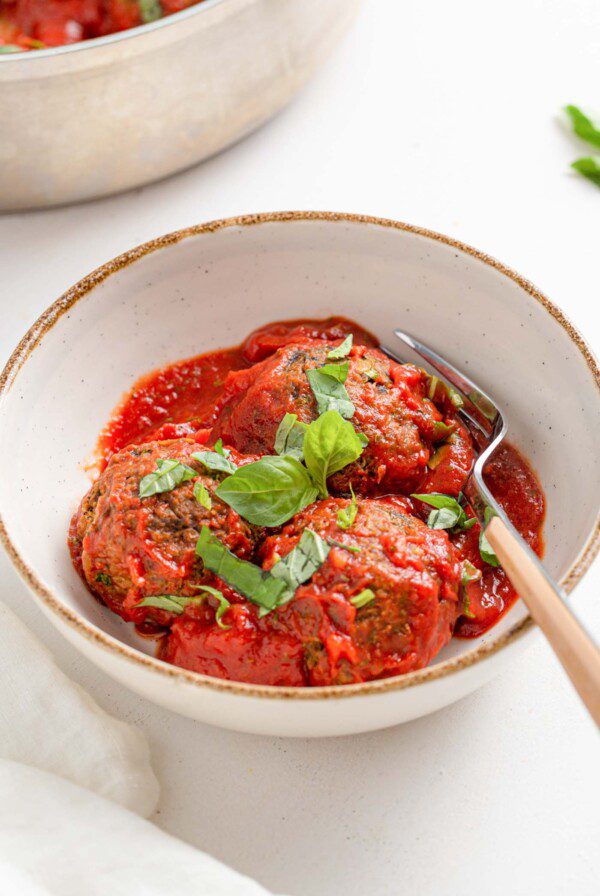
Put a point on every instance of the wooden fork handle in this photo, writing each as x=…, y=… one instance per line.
x=574, y=648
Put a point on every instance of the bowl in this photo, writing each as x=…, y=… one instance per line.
x=206, y=287
x=101, y=116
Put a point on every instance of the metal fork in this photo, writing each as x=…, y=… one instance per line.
x=543, y=597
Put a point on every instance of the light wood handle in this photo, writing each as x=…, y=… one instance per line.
x=574, y=648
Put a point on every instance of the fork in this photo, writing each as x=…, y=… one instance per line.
x=543, y=597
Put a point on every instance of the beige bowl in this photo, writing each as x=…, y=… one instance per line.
x=207, y=287
x=104, y=115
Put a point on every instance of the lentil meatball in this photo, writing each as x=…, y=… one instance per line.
x=127, y=548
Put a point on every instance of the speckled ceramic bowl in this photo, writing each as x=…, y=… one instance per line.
x=207, y=287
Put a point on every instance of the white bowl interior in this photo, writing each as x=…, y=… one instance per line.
x=209, y=290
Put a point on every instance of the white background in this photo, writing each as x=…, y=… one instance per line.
x=442, y=114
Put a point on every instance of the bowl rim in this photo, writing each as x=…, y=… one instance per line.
x=111, y=644
x=116, y=36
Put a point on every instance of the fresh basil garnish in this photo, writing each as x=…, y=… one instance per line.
x=342, y=350
x=469, y=573
x=485, y=549
x=448, y=513
x=347, y=547
x=266, y=589
x=104, y=578
x=217, y=460
x=269, y=491
x=439, y=390
x=150, y=10
x=330, y=444
x=289, y=439
x=169, y=474
x=583, y=126
x=347, y=515
x=174, y=603
x=11, y=48
x=589, y=167
x=361, y=600
x=327, y=384
x=223, y=603
x=441, y=430
x=202, y=495
x=301, y=563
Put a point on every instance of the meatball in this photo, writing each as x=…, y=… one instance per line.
x=391, y=409
x=408, y=579
x=127, y=548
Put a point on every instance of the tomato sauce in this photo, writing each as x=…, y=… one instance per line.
x=36, y=24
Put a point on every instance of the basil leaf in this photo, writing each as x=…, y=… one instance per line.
x=347, y=515
x=469, y=573
x=347, y=547
x=289, y=439
x=485, y=549
x=448, y=514
x=361, y=600
x=589, y=167
x=169, y=474
x=338, y=371
x=202, y=495
x=251, y=581
x=301, y=563
x=269, y=491
x=441, y=430
x=218, y=447
x=11, y=48
x=172, y=603
x=223, y=604
x=104, y=578
x=583, y=126
x=342, y=350
x=444, y=518
x=150, y=10
x=217, y=461
x=439, y=390
x=329, y=391
x=330, y=444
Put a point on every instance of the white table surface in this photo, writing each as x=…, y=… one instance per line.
x=444, y=115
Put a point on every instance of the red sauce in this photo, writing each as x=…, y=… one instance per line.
x=35, y=24
x=183, y=398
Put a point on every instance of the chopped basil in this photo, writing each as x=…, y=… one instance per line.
x=485, y=549
x=330, y=444
x=11, y=48
x=441, y=430
x=371, y=374
x=289, y=439
x=216, y=460
x=202, y=495
x=267, y=589
x=347, y=547
x=174, y=603
x=583, y=126
x=361, y=600
x=347, y=515
x=448, y=513
x=269, y=491
x=469, y=573
x=150, y=10
x=223, y=604
x=218, y=447
x=439, y=390
x=589, y=167
x=327, y=384
x=168, y=475
x=104, y=578
x=301, y=563
x=342, y=350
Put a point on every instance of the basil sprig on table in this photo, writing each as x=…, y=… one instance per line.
x=342, y=350
x=327, y=384
x=150, y=10
x=174, y=603
x=267, y=589
x=585, y=128
x=289, y=439
x=169, y=473
x=272, y=490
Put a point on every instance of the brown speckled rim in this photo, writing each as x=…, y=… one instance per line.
x=53, y=314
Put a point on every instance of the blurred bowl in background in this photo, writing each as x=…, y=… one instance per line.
x=101, y=116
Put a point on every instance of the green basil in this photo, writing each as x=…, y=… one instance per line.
x=485, y=549
x=347, y=515
x=583, y=126
x=169, y=474
x=202, y=495
x=150, y=10
x=269, y=491
x=448, y=513
x=342, y=350
x=104, y=578
x=441, y=430
x=300, y=564
x=589, y=167
x=223, y=604
x=329, y=389
x=330, y=444
x=439, y=390
x=216, y=460
x=289, y=439
x=11, y=48
x=174, y=603
x=361, y=600
x=347, y=547
x=218, y=447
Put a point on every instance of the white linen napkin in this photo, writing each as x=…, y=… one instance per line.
x=71, y=779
